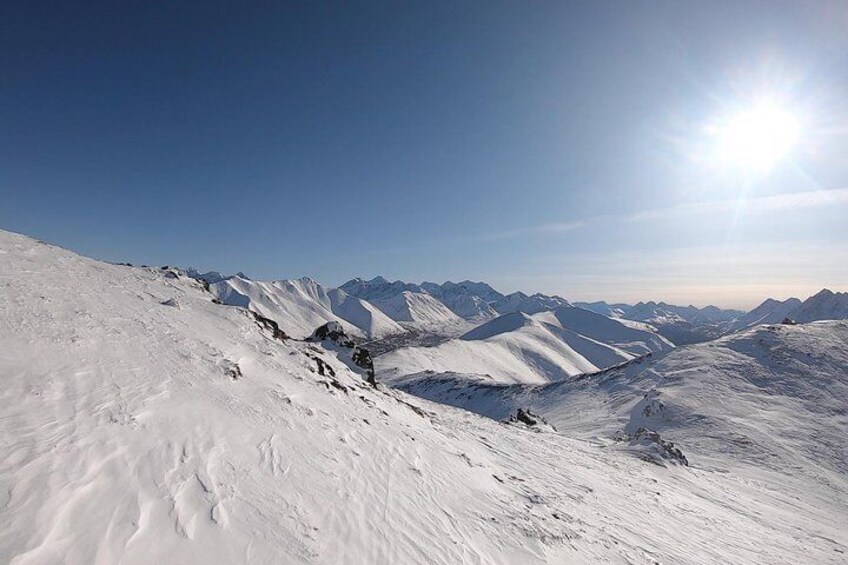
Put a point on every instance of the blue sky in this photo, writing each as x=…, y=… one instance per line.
x=543, y=146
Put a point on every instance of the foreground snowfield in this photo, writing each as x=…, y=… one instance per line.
x=128, y=435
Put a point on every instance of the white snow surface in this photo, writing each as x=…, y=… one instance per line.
x=301, y=305
x=775, y=397
x=136, y=432
x=418, y=308
x=467, y=299
x=520, y=302
x=519, y=348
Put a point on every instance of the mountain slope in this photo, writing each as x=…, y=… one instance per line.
x=771, y=397
x=142, y=423
x=473, y=301
x=417, y=308
x=299, y=306
x=467, y=299
x=520, y=302
x=769, y=312
x=520, y=348
x=825, y=305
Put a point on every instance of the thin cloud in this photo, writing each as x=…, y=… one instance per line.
x=793, y=201
x=534, y=230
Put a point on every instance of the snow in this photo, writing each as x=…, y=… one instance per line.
x=773, y=397
x=769, y=312
x=129, y=436
x=467, y=299
x=299, y=306
x=417, y=308
x=520, y=302
x=826, y=305
x=529, y=349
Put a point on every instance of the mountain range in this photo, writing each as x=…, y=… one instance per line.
x=378, y=309
x=143, y=419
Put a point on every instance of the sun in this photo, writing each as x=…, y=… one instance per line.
x=757, y=138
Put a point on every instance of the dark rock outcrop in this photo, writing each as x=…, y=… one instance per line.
x=270, y=325
x=334, y=333
x=530, y=419
x=653, y=448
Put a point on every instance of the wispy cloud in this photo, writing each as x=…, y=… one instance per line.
x=533, y=230
x=792, y=201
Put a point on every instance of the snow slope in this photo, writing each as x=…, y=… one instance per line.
x=417, y=308
x=377, y=288
x=299, y=306
x=473, y=301
x=520, y=302
x=520, y=348
x=140, y=422
x=769, y=312
x=467, y=299
x=772, y=397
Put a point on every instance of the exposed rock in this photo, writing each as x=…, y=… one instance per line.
x=271, y=325
x=789, y=322
x=334, y=333
x=233, y=371
x=362, y=358
x=529, y=419
x=653, y=448
x=172, y=302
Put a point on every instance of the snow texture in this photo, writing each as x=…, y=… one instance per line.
x=136, y=432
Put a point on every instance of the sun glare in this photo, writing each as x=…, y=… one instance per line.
x=757, y=138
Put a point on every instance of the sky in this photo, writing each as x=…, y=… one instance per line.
x=587, y=149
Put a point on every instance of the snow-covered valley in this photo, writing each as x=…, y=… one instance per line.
x=142, y=420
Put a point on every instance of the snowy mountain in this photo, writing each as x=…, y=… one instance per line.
x=769, y=312
x=407, y=303
x=680, y=324
x=299, y=306
x=143, y=422
x=521, y=348
x=377, y=288
x=417, y=308
x=826, y=305
x=473, y=301
x=601, y=307
x=467, y=299
x=520, y=302
x=774, y=397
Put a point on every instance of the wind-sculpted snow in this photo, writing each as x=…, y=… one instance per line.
x=137, y=432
